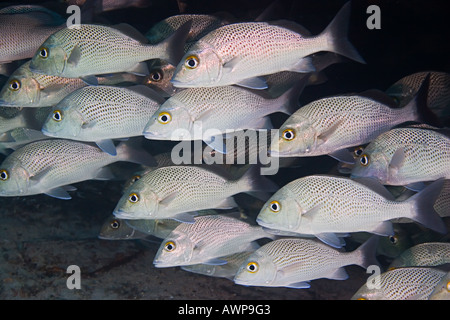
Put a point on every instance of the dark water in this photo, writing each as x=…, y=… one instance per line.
x=41, y=236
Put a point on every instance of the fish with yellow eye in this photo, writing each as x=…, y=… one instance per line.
x=50, y=166
x=407, y=156
x=294, y=262
x=179, y=192
x=328, y=126
x=414, y=283
x=330, y=207
x=90, y=50
x=118, y=229
x=25, y=88
x=239, y=53
x=206, y=240
x=102, y=113
x=209, y=113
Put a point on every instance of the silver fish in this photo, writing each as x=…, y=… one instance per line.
x=427, y=254
x=117, y=229
x=102, y=113
x=171, y=192
x=208, y=113
x=406, y=157
x=238, y=53
x=330, y=125
x=24, y=29
x=26, y=88
x=89, y=50
x=206, y=240
x=49, y=166
x=324, y=206
x=293, y=262
x=402, y=284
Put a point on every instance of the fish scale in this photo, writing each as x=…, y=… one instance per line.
x=426, y=157
x=403, y=284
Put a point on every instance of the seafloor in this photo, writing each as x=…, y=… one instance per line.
x=41, y=236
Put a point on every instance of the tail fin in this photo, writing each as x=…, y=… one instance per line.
x=173, y=46
x=423, y=210
x=129, y=151
x=253, y=183
x=366, y=253
x=336, y=35
x=288, y=102
x=419, y=104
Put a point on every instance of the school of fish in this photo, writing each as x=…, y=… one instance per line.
x=81, y=98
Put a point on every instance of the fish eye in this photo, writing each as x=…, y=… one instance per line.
x=115, y=224
x=361, y=299
x=358, y=151
x=288, y=134
x=393, y=239
x=164, y=117
x=43, y=52
x=14, y=85
x=135, y=178
x=169, y=246
x=448, y=286
x=4, y=175
x=252, y=267
x=364, y=160
x=156, y=76
x=275, y=206
x=133, y=197
x=191, y=62
x=57, y=115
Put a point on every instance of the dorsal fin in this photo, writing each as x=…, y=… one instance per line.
x=131, y=32
x=379, y=96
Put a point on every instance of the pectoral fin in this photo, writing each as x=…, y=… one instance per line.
x=75, y=56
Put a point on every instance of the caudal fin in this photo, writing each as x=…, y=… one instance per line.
x=255, y=184
x=173, y=46
x=366, y=253
x=423, y=207
x=337, y=37
x=419, y=104
x=131, y=152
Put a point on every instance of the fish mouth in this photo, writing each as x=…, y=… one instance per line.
x=263, y=223
x=48, y=133
x=181, y=84
x=125, y=215
x=5, y=103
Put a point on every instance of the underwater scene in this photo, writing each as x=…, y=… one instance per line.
x=224, y=150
